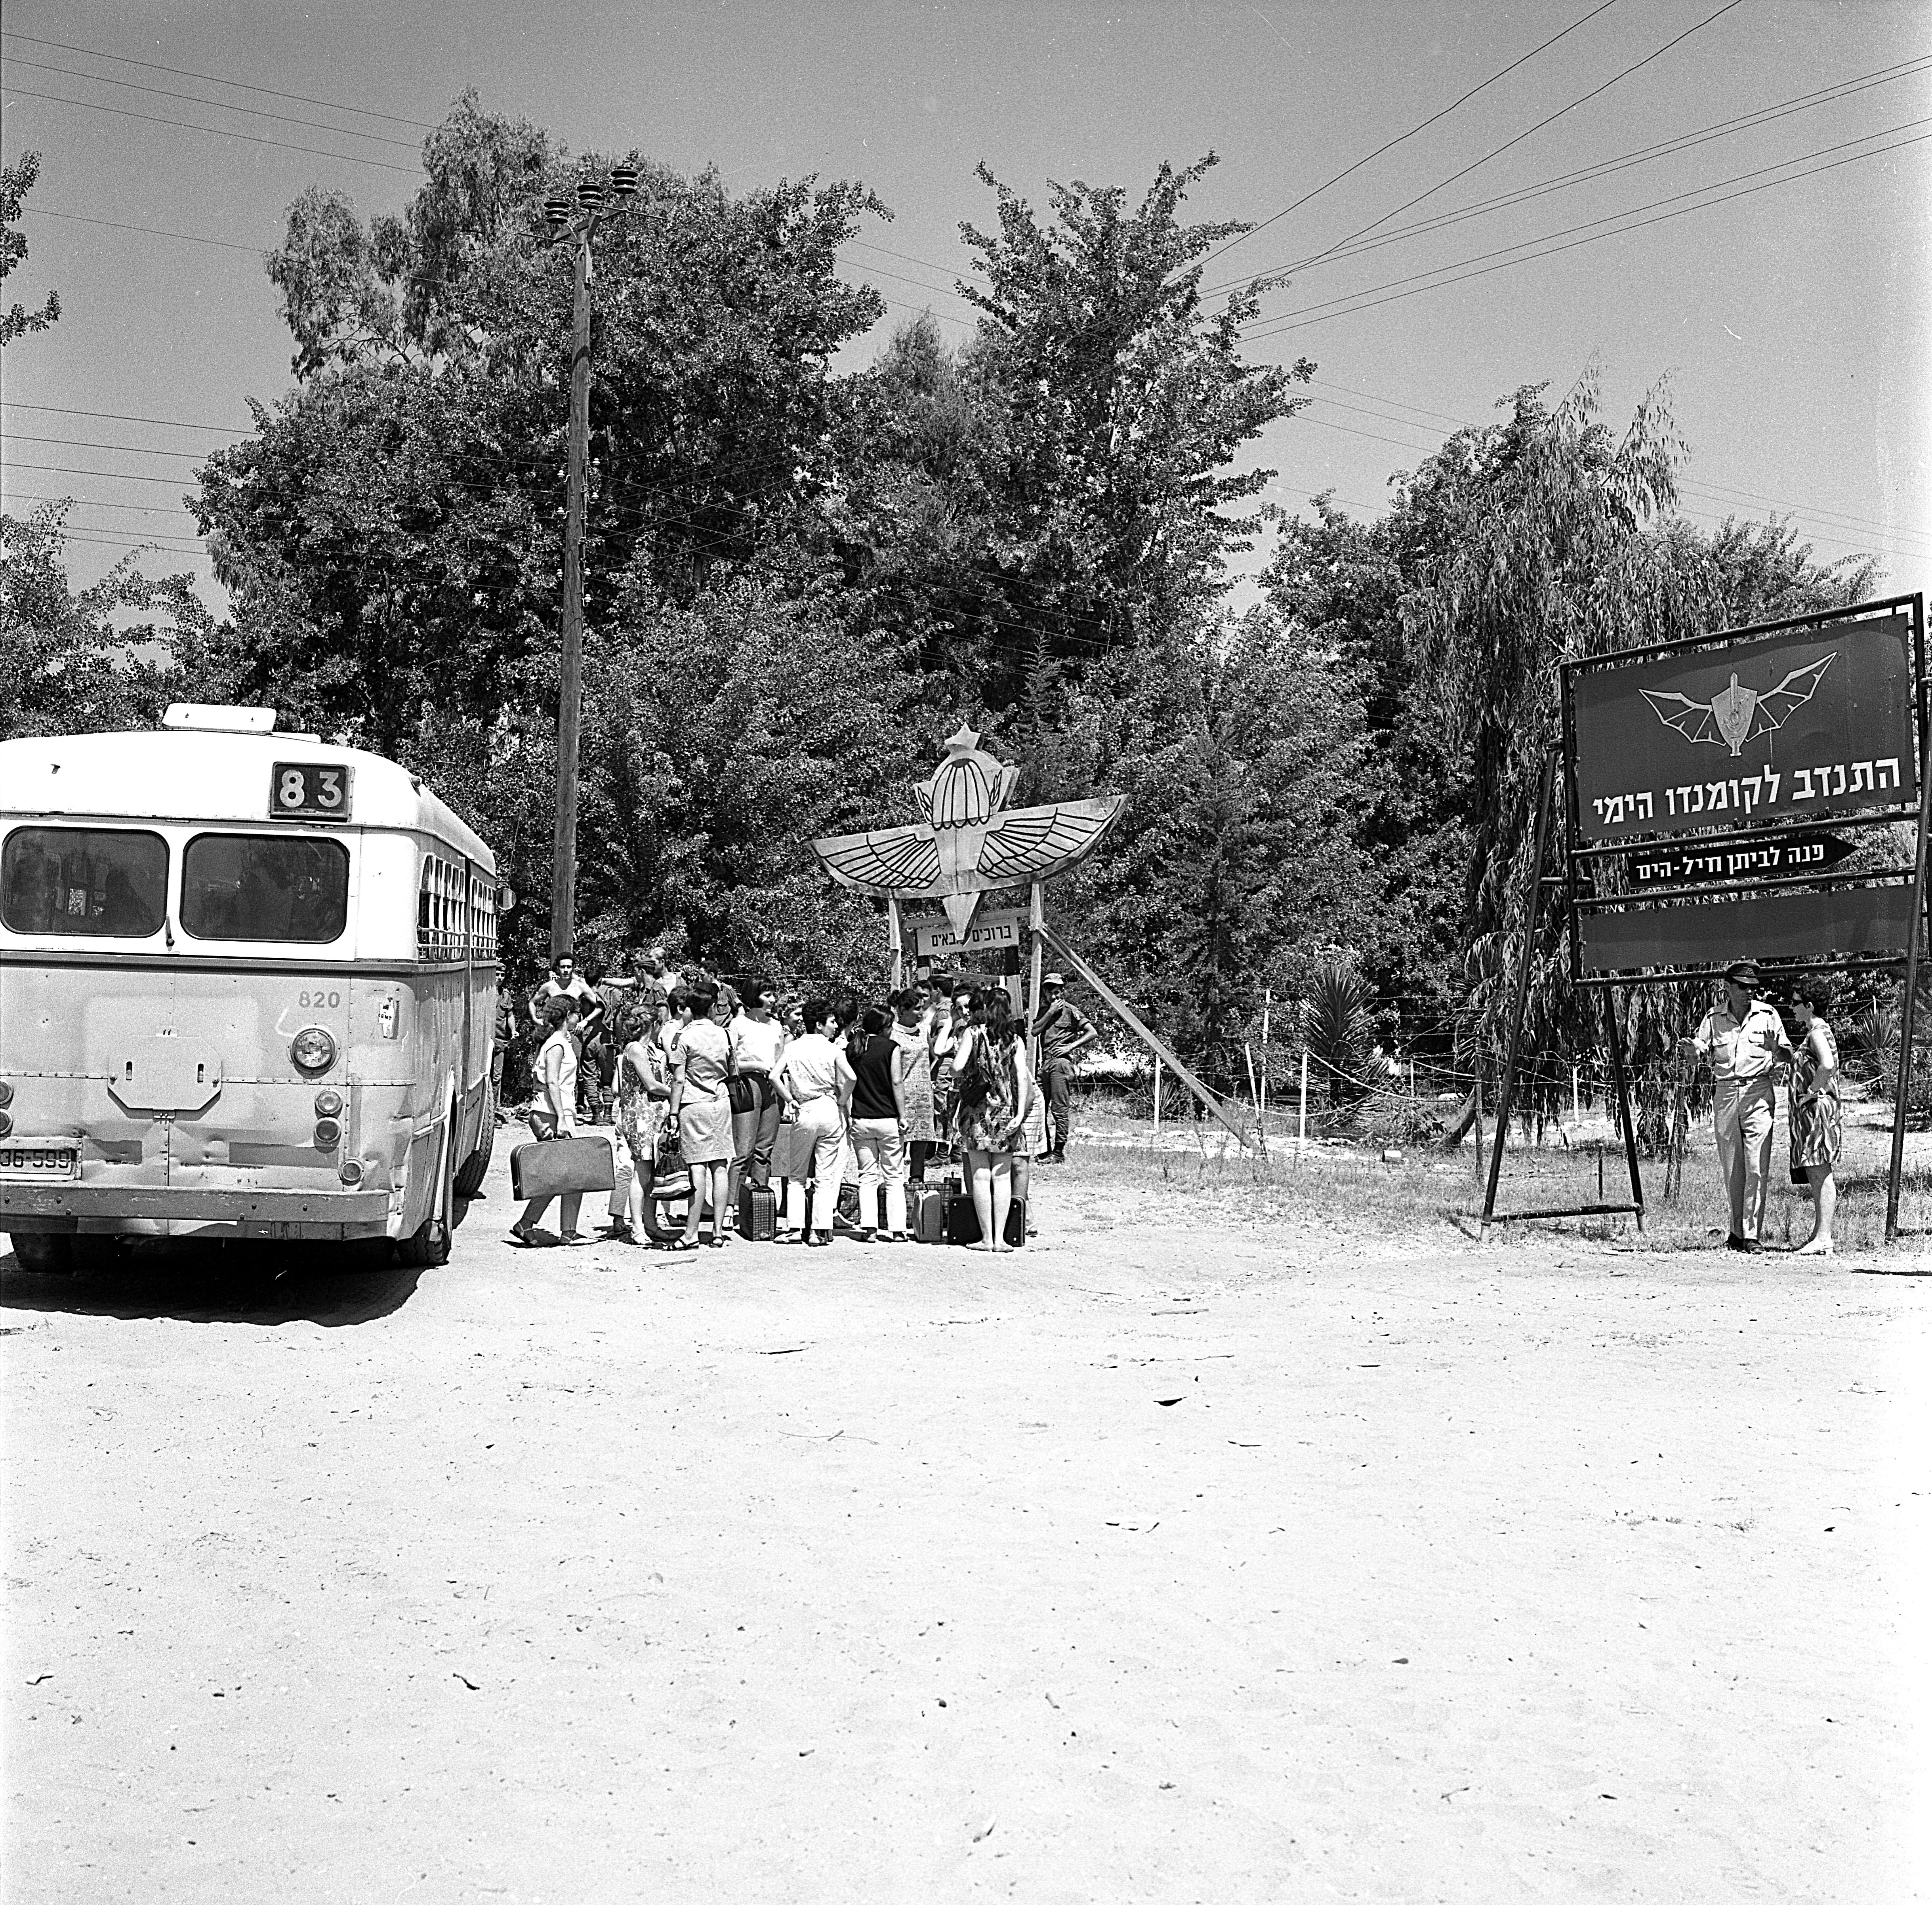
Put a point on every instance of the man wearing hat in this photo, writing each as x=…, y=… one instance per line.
x=1064, y=1032
x=1744, y=1039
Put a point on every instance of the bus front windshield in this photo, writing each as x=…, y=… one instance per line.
x=260, y=887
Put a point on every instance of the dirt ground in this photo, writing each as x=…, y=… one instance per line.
x=1181, y=1557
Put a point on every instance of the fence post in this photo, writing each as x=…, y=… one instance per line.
x=1301, y=1128
x=1156, y=1094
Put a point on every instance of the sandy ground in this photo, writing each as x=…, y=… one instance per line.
x=1222, y=1563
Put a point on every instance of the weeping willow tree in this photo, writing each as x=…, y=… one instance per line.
x=1554, y=544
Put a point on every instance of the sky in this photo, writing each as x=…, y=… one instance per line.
x=1776, y=273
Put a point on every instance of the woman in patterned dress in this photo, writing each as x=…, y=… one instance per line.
x=643, y=1085
x=1817, y=1130
x=994, y=1092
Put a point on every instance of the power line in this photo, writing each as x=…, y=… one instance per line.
x=123, y=416
x=86, y=443
x=1348, y=306
x=1582, y=99
x=147, y=231
x=1602, y=169
x=218, y=132
x=1424, y=126
x=215, y=79
x=219, y=105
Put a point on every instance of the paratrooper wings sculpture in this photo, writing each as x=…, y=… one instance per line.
x=967, y=842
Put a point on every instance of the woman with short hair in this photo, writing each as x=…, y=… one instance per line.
x=1817, y=1124
x=554, y=1114
x=879, y=1126
x=815, y=1079
x=757, y=1040
x=700, y=1063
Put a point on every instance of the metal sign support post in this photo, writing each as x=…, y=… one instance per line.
x=1136, y=1024
x=1517, y=1012
x=1506, y=1090
x=895, y=944
x=1908, y=1011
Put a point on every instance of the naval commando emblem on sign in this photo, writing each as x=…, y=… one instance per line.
x=1736, y=714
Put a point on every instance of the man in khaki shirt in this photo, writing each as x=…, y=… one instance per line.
x=1744, y=1039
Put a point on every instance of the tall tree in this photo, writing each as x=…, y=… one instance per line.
x=16, y=182
x=108, y=656
x=1112, y=403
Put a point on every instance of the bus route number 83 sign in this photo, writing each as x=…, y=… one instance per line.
x=308, y=790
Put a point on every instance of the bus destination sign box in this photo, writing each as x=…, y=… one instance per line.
x=308, y=790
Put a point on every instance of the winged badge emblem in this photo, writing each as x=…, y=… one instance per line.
x=967, y=843
x=1736, y=714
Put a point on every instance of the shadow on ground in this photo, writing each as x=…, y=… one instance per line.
x=266, y=1284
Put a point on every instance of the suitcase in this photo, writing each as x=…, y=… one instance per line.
x=926, y=1212
x=962, y=1221
x=758, y=1213
x=560, y=1166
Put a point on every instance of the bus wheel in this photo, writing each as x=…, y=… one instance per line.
x=428, y=1249
x=44, y=1252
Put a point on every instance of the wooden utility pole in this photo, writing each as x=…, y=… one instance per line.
x=570, y=689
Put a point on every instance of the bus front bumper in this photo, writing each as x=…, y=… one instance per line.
x=63, y=1207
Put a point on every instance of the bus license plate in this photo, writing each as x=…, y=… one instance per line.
x=48, y=1162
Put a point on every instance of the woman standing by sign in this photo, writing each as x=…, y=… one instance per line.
x=1817, y=1129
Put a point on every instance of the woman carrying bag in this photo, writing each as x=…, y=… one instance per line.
x=700, y=1065
x=554, y=1114
x=995, y=1088
x=643, y=1088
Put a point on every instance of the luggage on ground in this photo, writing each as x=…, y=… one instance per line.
x=560, y=1166
x=962, y=1221
x=758, y=1213
x=1015, y=1230
x=926, y=1212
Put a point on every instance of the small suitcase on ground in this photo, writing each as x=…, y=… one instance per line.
x=758, y=1213
x=1015, y=1230
x=962, y=1221
x=926, y=1212
x=559, y=1166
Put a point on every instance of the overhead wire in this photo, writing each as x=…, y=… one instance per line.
x=147, y=231
x=1582, y=99
x=218, y=132
x=216, y=80
x=218, y=105
x=1401, y=138
x=1601, y=168
x=1367, y=299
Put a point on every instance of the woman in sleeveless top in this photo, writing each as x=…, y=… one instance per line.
x=643, y=1087
x=994, y=1088
x=699, y=1066
x=1817, y=1127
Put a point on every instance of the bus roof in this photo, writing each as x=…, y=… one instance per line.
x=198, y=774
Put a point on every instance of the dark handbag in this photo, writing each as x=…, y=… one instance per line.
x=560, y=1167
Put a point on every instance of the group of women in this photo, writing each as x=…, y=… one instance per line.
x=824, y=1092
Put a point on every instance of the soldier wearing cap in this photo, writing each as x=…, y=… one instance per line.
x=1744, y=1039
x=1064, y=1032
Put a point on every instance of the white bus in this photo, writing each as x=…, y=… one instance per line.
x=247, y=989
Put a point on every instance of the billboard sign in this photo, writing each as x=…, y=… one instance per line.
x=1790, y=727
x=1843, y=922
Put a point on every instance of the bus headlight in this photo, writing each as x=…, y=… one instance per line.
x=313, y=1048
x=327, y=1104
x=6, y=1124
x=328, y=1134
x=352, y=1172
x=6, y=1094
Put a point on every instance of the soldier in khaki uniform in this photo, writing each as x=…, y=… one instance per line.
x=1744, y=1039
